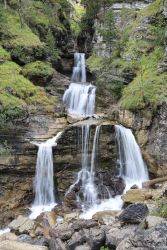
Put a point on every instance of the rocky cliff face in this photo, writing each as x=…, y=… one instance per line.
x=17, y=168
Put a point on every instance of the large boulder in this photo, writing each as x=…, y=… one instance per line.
x=133, y=214
x=22, y=224
x=136, y=195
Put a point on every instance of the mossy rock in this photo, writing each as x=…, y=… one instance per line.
x=20, y=41
x=38, y=72
x=17, y=93
x=23, y=55
x=4, y=55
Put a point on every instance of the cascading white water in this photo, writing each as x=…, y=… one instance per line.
x=132, y=167
x=79, y=69
x=87, y=172
x=79, y=98
x=44, y=184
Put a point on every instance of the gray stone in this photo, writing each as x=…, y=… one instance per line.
x=22, y=224
x=96, y=238
x=116, y=234
x=134, y=213
x=152, y=221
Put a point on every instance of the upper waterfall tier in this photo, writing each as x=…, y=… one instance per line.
x=132, y=167
x=79, y=69
x=79, y=98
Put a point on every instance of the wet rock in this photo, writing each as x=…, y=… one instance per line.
x=47, y=219
x=71, y=216
x=133, y=214
x=153, y=238
x=24, y=238
x=134, y=187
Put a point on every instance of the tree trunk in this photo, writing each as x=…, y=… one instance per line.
x=5, y=4
x=150, y=183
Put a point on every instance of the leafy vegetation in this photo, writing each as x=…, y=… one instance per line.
x=78, y=13
x=27, y=31
x=104, y=248
x=4, y=55
x=5, y=149
x=149, y=88
x=161, y=210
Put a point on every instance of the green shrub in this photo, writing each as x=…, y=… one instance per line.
x=38, y=71
x=4, y=55
x=149, y=88
x=5, y=149
x=161, y=210
x=104, y=248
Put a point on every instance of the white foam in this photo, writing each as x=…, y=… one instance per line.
x=37, y=210
x=109, y=204
x=4, y=231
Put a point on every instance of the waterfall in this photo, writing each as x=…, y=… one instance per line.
x=79, y=70
x=86, y=175
x=132, y=167
x=44, y=183
x=79, y=98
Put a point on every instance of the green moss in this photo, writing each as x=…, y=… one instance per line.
x=149, y=88
x=38, y=71
x=153, y=9
x=17, y=92
x=23, y=44
x=20, y=35
x=12, y=82
x=4, y=55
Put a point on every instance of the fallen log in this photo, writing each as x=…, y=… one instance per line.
x=150, y=183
